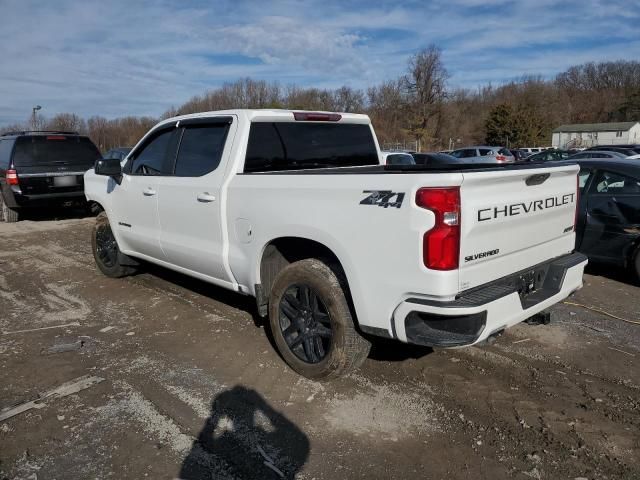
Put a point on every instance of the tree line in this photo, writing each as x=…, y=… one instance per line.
x=417, y=110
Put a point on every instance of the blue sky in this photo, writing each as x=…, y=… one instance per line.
x=135, y=57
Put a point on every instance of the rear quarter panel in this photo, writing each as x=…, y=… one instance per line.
x=379, y=248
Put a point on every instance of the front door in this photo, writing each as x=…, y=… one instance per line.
x=190, y=204
x=136, y=205
x=612, y=216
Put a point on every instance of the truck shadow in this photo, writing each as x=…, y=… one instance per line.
x=245, y=438
x=382, y=349
x=62, y=213
x=612, y=272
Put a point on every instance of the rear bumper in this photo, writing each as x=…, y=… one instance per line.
x=476, y=314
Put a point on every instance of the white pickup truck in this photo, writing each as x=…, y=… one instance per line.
x=295, y=209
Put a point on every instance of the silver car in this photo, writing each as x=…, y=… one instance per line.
x=484, y=154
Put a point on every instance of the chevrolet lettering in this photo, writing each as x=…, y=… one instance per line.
x=513, y=209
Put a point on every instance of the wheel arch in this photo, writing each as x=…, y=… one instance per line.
x=283, y=251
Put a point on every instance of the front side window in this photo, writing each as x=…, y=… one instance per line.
x=151, y=160
x=616, y=183
x=200, y=150
x=290, y=145
x=468, y=153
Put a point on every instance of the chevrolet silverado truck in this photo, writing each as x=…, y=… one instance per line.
x=296, y=210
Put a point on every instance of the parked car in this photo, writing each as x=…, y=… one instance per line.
x=42, y=169
x=548, y=156
x=517, y=154
x=527, y=152
x=608, y=226
x=397, y=158
x=294, y=209
x=484, y=154
x=120, y=153
x=435, y=158
x=596, y=154
x=628, y=150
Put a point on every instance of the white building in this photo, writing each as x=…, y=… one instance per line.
x=593, y=134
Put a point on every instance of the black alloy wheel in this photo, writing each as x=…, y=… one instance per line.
x=106, y=246
x=305, y=323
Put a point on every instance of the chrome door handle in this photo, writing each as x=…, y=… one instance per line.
x=149, y=192
x=206, y=197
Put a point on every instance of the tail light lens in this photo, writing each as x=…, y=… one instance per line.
x=441, y=244
x=501, y=158
x=575, y=217
x=12, y=177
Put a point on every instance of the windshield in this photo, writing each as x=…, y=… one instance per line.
x=54, y=150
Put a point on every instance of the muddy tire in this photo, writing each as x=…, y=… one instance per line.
x=7, y=214
x=311, y=321
x=105, y=250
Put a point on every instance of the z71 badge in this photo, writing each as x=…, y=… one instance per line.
x=383, y=198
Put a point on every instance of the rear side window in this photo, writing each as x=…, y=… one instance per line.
x=200, y=150
x=507, y=152
x=54, y=150
x=292, y=145
x=484, y=152
x=5, y=153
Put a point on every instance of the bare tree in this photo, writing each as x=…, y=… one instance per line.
x=425, y=85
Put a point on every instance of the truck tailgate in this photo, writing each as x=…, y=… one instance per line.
x=514, y=219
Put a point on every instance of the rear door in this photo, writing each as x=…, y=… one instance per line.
x=513, y=219
x=190, y=203
x=53, y=163
x=612, y=216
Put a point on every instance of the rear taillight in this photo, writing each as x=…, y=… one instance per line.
x=575, y=217
x=12, y=177
x=501, y=158
x=441, y=244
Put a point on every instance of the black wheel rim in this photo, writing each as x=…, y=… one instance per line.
x=106, y=246
x=305, y=323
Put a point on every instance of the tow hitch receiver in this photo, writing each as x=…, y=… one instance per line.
x=541, y=318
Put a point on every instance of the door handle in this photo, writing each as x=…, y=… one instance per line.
x=206, y=197
x=148, y=192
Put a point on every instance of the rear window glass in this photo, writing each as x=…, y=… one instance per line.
x=200, y=150
x=290, y=146
x=54, y=150
x=5, y=153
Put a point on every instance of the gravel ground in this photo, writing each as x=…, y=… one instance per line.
x=193, y=388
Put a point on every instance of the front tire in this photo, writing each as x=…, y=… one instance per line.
x=7, y=214
x=311, y=322
x=105, y=249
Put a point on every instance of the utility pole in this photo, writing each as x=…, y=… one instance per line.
x=34, y=124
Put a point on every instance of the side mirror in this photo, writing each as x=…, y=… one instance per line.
x=109, y=167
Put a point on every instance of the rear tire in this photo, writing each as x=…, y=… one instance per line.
x=311, y=322
x=7, y=214
x=106, y=251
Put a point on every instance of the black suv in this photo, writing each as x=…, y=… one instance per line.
x=43, y=169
